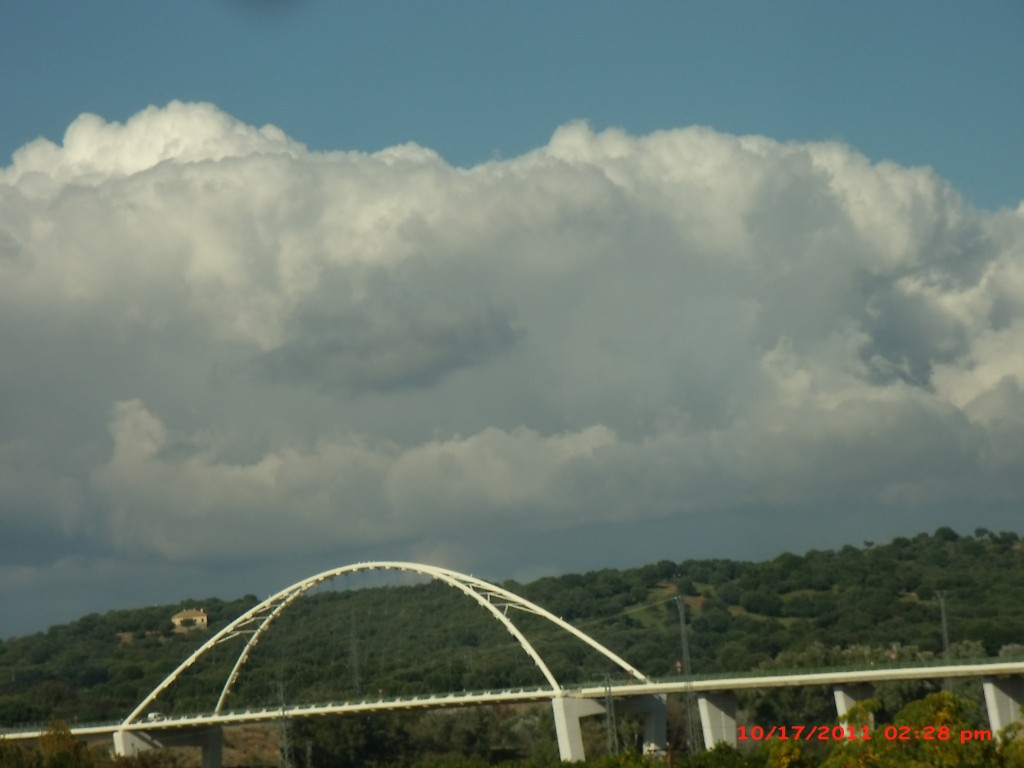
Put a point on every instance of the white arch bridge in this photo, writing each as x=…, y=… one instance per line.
x=138, y=732
x=254, y=623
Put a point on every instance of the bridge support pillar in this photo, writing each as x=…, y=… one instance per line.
x=210, y=740
x=212, y=743
x=568, y=711
x=655, y=721
x=847, y=695
x=129, y=743
x=1003, y=699
x=717, y=718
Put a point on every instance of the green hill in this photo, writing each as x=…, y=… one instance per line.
x=851, y=606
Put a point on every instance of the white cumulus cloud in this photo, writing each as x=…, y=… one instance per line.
x=216, y=343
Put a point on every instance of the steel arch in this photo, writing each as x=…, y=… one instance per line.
x=491, y=597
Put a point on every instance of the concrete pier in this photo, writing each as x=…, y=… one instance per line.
x=1004, y=697
x=848, y=694
x=717, y=718
x=209, y=739
x=655, y=715
x=568, y=711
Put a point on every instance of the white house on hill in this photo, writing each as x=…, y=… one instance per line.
x=189, y=619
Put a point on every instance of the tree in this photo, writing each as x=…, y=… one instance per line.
x=924, y=734
x=942, y=716
x=856, y=752
x=1011, y=746
x=58, y=748
x=785, y=754
x=722, y=756
x=13, y=756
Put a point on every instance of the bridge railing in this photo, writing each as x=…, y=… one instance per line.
x=784, y=672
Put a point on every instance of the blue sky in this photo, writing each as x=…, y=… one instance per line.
x=919, y=83
x=515, y=289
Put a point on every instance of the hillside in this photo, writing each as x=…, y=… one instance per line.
x=873, y=603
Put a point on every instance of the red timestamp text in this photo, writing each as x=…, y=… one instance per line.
x=803, y=733
x=859, y=733
x=932, y=733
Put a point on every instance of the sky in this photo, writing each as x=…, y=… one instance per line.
x=514, y=289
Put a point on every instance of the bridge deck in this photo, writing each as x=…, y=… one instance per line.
x=595, y=691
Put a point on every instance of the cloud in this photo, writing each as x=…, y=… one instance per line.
x=408, y=330
x=208, y=329
x=94, y=151
x=180, y=499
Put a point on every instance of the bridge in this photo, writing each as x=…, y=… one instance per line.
x=143, y=729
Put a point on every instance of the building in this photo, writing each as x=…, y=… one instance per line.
x=189, y=619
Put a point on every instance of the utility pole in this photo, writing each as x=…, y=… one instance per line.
x=689, y=699
x=611, y=728
x=287, y=758
x=945, y=633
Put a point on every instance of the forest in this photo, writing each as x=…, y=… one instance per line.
x=911, y=600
